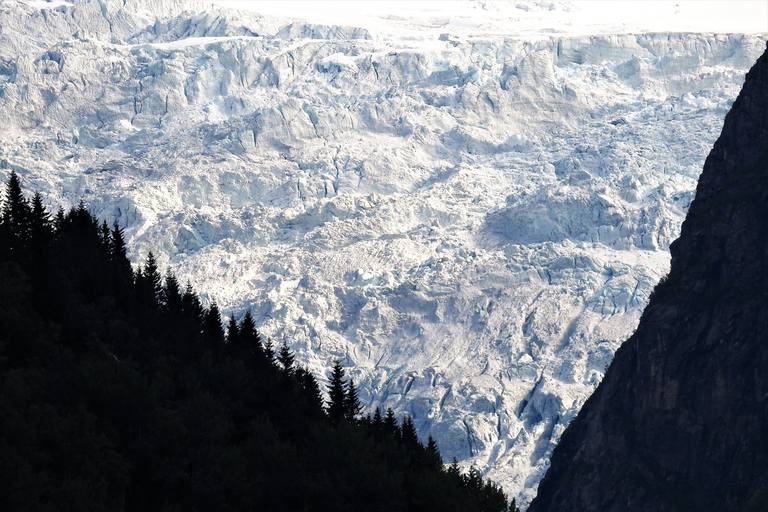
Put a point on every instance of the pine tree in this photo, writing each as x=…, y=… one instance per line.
x=352, y=407
x=170, y=295
x=213, y=335
x=269, y=350
x=337, y=394
x=151, y=278
x=41, y=225
x=16, y=212
x=390, y=422
x=455, y=471
x=377, y=423
x=432, y=458
x=408, y=432
x=191, y=306
x=118, y=254
x=58, y=221
x=117, y=243
x=285, y=357
x=106, y=238
x=250, y=340
x=313, y=398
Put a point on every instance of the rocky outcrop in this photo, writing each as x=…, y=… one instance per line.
x=680, y=419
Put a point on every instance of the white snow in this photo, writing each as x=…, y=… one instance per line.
x=417, y=20
x=472, y=222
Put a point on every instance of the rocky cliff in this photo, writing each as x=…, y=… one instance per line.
x=680, y=419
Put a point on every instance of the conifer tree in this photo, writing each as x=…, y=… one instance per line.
x=432, y=458
x=118, y=254
x=213, y=335
x=233, y=336
x=151, y=278
x=58, y=221
x=337, y=394
x=352, y=407
x=408, y=432
x=249, y=339
x=390, y=422
x=285, y=357
x=117, y=243
x=191, y=305
x=269, y=350
x=16, y=211
x=454, y=470
x=106, y=238
x=310, y=392
x=41, y=225
x=171, y=295
x=377, y=423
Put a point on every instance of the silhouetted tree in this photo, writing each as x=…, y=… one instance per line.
x=213, y=334
x=432, y=458
x=337, y=394
x=352, y=407
x=16, y=214
x=390, y=422
x=285, y=357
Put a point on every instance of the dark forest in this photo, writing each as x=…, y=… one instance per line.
x=120, y=390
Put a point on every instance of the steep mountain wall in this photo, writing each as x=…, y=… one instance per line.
x=472, y=225
x=679, y=421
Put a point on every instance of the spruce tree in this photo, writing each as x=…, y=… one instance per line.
x=118, y=254
x=41, y=225
x=233, y=336
x=269, y=350
x=213, y=335
x=250, y=340
x=390, y=422
x=310, y=392
x=337, y=394
x=106, y=238
x=16, y=212
x=352, y=407
x=285, y=357
x=377, y=423
x=408, y=432
x=171, y=295
x=151, y=278
x=58, y=221
x=191, y=305
x=432, y=458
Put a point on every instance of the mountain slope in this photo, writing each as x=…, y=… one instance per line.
x=679, y=421
x=471, y=224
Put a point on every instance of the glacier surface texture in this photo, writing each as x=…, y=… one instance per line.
x=471, y=225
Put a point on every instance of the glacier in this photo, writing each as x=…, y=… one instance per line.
x=471, y=224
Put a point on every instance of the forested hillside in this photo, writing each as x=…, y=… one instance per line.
x=120, y=390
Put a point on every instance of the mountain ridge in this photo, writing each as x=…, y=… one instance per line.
x=676, y=423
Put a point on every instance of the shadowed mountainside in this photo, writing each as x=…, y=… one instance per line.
x=679, y=421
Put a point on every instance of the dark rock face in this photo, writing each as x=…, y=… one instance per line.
x=680, y=421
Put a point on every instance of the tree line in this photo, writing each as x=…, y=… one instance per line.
x=121, y=391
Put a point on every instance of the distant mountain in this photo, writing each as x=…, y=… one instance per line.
x=679, y=421
x=472, y=225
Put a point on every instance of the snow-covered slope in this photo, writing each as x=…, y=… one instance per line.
x=471, y=224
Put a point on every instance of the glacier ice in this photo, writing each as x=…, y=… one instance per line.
x=470, y=224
